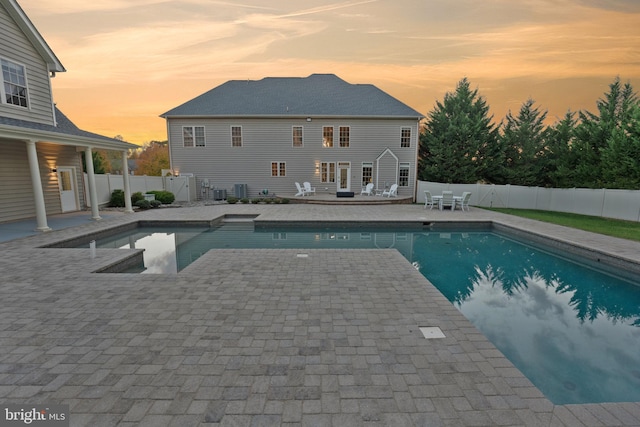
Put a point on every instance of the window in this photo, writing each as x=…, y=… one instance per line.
x=236, y=136
x=297, y=136
x=14, y=87
x=328, y=172
x=278, y=169
x=344, y=136
x=403, y=180
x=193, y=136
x=367, y=173
x=405, y=138
x=327, y=137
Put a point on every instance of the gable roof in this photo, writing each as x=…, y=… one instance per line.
x=24, y=23
x=317, y=95
x=65, y=131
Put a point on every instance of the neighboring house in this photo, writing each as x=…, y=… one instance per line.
x=40, y=149
x=271, y=133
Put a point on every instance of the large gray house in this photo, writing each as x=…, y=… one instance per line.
x=40, y=148
x=248, y=136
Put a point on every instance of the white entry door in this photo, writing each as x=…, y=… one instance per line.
x=67, y=185
x=344, y=176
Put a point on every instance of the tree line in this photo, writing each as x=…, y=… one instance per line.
x=149, y=159
x=461, y=143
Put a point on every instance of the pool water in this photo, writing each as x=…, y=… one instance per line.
x=572, y=330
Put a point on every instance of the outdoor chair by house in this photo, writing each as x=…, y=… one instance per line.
x=464, y=200
x=368, y=190
x=428, y=200
x=392, y=192
x=301, y=191
x=308, y=189
x=447, y=200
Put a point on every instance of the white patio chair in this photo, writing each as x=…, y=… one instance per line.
x=301, y=191
x=428, y=200
x=464, y=200
x=308, y=189
x=368, y=190
x=447, y=200
x=392, y=192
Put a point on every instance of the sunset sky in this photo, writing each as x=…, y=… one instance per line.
x=128, y=61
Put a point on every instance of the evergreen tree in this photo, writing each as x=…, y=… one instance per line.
x=524, y=140
x=561, y=159
x=604, y=141
x=459, y=142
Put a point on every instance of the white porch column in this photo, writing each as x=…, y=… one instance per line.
x=93, y=194
x=127, y=188
x=36, y=183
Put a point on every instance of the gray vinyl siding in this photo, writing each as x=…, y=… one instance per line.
x=15, y=47
x=387, y=172
x=16, y=191
x=270, y=140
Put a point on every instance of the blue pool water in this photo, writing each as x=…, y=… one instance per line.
x=572, y=330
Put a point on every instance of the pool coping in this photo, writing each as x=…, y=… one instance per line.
x=569, y=415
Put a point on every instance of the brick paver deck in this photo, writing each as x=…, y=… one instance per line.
x=265, y=337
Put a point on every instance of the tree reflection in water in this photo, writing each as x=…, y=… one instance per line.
x=567, y=327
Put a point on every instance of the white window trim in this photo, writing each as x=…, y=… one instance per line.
x=278, y=163
x=407, y=166
x=364, y=165
x=3, y=95
x=293, y=141
x=333, y=137
x=193, y=133
x=402, y=129
x=335, y=168
x=241, y=138
x=340, y=137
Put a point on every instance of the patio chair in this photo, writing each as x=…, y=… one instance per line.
x=301, y=191
x=308, y=189
x=464, y=200
x=447, y=200
x=428, y=200
x=368, y=190
x=392, y=192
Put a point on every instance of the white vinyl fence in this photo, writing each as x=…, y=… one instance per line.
x=106, y=183
x=618, y=204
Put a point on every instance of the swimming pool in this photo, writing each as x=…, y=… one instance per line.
x=573, y=330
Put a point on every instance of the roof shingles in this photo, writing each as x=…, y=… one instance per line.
x=316, y=95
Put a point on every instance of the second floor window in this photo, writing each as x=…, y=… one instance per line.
x=344, y=136
x=14, y=87
x=297, y=136
x=405, y=137
x=327, y=137
x=236, y=136
x=193, y=136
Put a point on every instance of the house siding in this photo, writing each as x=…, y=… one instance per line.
x=15, y=47
x=270, y=140
x=16, y=191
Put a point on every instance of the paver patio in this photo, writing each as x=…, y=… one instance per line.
x=263, y=337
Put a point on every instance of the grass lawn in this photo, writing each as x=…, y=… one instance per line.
x=611, y=227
